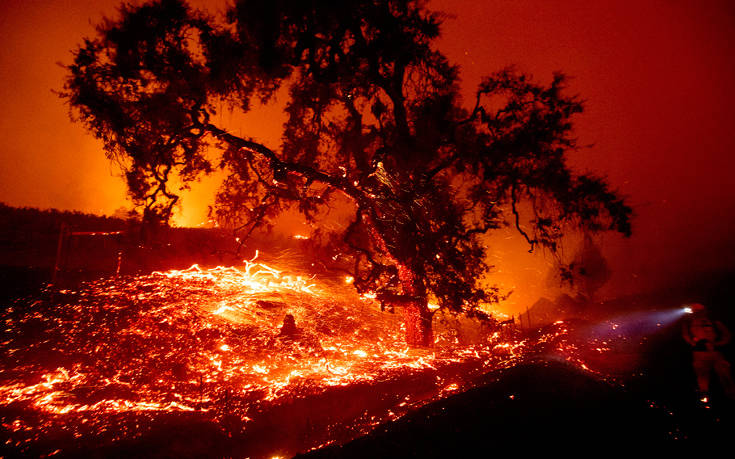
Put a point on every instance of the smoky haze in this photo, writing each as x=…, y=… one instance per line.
x=657, y=79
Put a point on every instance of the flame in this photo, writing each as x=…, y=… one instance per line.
x=208, y=341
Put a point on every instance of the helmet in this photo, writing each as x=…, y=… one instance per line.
x=697, y=307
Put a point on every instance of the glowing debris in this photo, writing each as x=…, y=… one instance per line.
x=206, y=341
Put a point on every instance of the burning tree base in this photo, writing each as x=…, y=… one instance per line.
x=131, y=362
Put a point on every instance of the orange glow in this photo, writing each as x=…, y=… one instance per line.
x=656, y=79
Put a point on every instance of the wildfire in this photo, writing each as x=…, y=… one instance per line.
x=208, y=342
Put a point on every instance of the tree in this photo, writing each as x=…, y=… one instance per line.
x=588, y=271
x=374, y=120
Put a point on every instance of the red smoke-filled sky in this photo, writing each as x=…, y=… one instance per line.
x=657, y=77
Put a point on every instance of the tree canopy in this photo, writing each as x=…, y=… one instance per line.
x=374, y=118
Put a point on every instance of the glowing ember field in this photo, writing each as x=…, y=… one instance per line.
x=196, y=354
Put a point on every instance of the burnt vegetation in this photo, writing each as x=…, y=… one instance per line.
x=375, y=123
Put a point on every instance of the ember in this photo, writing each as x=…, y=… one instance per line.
x=117, y=356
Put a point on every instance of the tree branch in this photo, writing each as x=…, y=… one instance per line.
x=310, y=173
x=514, y=199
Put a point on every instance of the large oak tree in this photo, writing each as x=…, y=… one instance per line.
x=374, y=119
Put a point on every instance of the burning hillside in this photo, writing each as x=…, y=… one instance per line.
x=117, y=360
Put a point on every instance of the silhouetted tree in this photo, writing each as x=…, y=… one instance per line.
x=585, y=274
x=590, y=269
x=374, y=120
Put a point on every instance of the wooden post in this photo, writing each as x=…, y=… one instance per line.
x=59, y=254
x=201, y=392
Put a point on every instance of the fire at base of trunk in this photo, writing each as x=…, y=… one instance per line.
x=419, y=330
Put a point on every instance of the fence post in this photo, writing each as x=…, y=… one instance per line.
x=59, y=253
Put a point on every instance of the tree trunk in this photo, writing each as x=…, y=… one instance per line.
x=416, y=314
x=417, y=319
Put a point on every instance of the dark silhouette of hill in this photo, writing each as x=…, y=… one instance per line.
x=538, y=405
x=28, y=236
x=29, y=240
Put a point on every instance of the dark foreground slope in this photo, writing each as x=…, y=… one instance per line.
x=530, y=406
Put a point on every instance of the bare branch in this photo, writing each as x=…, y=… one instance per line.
x=514, y=200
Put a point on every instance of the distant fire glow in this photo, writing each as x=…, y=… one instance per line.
x=116, y=356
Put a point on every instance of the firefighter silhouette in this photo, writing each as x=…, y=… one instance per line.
x=706, y=335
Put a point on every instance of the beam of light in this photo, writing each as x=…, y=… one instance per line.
x=640, y=323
